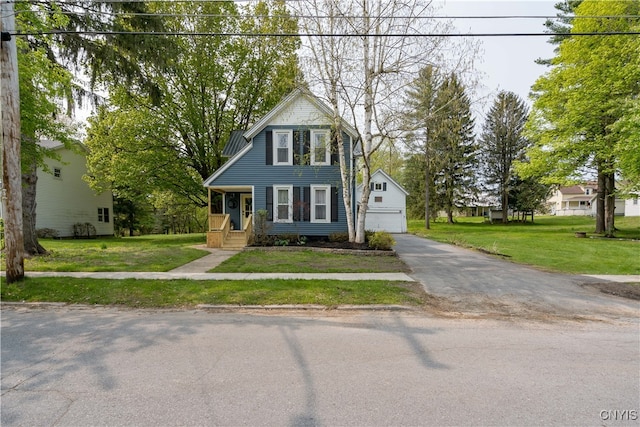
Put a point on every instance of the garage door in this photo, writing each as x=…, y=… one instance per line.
x=390, y=221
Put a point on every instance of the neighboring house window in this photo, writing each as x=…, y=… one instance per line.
x=379, y=186
x=588, y=191
x=57, y=173
x=283, y=147
x=378, y=199
x=320, y=203
x=283, y=203
x=320, y=147
x=635, y=200
x=103, y=214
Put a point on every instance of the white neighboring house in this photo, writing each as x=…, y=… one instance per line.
x=63, y=198
x=579, y=200
x=632, y=205
x=387, y=209
x=574, y=200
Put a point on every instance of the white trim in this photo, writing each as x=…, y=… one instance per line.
x=289, y=189
x=327, y=147
x=324, y=108
x=327, y=204
x=289, y=133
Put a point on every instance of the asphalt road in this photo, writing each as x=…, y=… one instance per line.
x=472, y=282
x=104, y=366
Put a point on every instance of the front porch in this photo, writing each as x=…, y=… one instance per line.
x=221, y=234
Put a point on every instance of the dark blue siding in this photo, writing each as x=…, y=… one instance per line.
x=252, y=170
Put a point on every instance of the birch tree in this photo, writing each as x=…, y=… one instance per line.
x=361, y=55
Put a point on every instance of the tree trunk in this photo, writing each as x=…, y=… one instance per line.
x=29, y=181
x=427, y=189
x=505, y=205
x=610, y=204
x=600, y=222
x=11, y=169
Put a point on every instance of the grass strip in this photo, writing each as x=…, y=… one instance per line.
x=308, y=261
x=188, y=293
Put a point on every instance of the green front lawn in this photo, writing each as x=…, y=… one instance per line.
x=188, y=293
x=548, y=243
x=144, y=253
x=308, y=261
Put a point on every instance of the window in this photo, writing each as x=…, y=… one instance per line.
x=320, y=147
x=282, y=147
x=57, y=173
x=377, y=186
x=378, y=199
x=635, y=200
x=587, y=191
x=320, y=203
x=283, y=202
x=103, y=215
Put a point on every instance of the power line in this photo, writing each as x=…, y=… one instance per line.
x=293, y=15
x=241, y=34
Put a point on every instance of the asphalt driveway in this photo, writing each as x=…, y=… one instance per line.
x=470, y=281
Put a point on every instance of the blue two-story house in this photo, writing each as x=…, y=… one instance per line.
x=287, y=166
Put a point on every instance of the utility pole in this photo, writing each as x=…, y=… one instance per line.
x=11, y=170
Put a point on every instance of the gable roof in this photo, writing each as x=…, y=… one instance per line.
x=286, y=101
x=235, y=144
x=388, y=179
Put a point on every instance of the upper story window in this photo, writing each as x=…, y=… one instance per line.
x=57, y=173
x=282, y=147
x=587, y=191
x=320, y=147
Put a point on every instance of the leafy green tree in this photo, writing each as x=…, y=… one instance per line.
x=577, y=104
x=527, y=195
x=211, y=86
x=502, y=143
x=44, y=87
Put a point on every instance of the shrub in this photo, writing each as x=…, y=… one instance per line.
x=46, y=233
x=81, y=230
x=381, y=240
x=339, y=237
x=261, y=229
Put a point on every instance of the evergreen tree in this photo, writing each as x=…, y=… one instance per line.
x=454, y=148
x=502, y=143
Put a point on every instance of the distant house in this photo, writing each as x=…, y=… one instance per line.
x=387, y=210
x=287, y=166
x=578, y=200
x=64, y=199
x=632, y=206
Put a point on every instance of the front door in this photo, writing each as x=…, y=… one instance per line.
x=246, y=207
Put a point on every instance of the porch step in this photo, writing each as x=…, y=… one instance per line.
x=234, y=240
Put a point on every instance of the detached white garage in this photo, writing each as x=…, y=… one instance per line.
x=387, y=209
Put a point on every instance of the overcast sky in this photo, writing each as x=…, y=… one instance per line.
x=508, y=63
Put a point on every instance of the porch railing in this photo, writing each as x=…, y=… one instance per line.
x=220, y=227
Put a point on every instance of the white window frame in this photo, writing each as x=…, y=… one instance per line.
x=312, y=149
x=327, y=203
x=276, y=134
x=377, y=186
x=276, y=189
x=57, y=173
